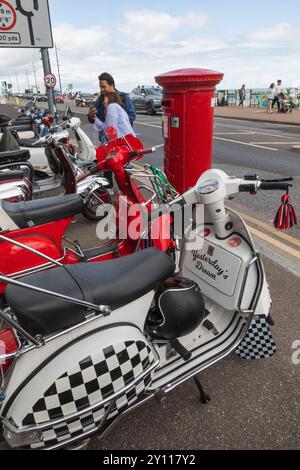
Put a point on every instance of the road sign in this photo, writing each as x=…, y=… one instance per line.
x=8, y=16
x=25, y=23
x=50, y=80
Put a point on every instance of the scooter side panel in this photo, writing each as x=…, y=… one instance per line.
x=110, y=367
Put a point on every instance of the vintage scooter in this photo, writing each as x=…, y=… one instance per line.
x=65, y=171
x=83, y=150
x=86, y=344
x=24, y=123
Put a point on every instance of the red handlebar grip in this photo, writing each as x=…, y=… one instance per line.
x=138, y=153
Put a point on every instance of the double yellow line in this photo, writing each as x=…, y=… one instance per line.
x=281, y=246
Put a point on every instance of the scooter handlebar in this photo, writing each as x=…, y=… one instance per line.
x=274, y=186
x=140, y=153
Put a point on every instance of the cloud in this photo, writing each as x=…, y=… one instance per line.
x=276, y=36
x=146, y=43
x=80, y=42
x=195, y=19
x=148, y=26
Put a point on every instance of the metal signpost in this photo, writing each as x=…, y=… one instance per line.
x=26, y=24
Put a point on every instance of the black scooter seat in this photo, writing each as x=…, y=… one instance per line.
x=115, y=283
x=11, y=175
x=31, y=143
x=42, y=211
x=5, y=119
x=14, y=156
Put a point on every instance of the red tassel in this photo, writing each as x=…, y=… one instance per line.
x=286, y=216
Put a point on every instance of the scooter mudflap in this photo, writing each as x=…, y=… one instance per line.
x=258, y=342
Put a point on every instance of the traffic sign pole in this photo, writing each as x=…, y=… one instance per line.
x=50, y=91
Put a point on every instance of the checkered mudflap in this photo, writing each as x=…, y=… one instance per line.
x=258, y=342
x=92, y=381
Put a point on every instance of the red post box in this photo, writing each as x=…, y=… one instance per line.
x=188, y=112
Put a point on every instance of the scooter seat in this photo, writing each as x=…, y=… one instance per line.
x=14, y=156
x=11, y=175
x=5, y=119
x=31, y=143
x=115, y=283
x=42, y=211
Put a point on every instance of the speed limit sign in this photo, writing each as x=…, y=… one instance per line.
x=50, y=80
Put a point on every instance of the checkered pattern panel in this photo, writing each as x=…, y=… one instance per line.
x=93, y=380
x=91, y=421
x=258, y=342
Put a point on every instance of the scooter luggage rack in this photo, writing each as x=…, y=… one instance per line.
x=163, y=190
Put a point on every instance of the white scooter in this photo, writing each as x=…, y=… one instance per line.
x=84, y=150
x=86, y=344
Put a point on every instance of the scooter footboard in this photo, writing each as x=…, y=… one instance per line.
x=87, y=383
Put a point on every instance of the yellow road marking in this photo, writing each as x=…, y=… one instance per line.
x=272, y=230
x=274, y=242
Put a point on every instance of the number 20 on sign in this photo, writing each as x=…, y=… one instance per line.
x=50, y=80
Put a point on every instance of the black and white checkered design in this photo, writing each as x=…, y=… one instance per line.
x=258, y=342
x=92, y=381
x=91, y=421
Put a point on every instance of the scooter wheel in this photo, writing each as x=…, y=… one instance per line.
x=96, y=200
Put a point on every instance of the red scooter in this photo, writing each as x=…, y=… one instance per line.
x=33, y=232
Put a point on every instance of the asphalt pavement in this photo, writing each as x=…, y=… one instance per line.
x=255, y=405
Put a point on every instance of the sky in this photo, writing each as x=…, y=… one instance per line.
x=253, y=42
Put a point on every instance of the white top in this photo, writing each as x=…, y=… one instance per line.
x=117, y=118
x=271, y=93
x=278, y=90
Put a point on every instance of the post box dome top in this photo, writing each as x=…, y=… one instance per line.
x=190, y=76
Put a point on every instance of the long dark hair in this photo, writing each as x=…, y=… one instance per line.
x=114, y=97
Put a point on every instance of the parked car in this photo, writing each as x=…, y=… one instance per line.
x=41, y=98
x=147, y=98
x=84, y=99
x=59, y=99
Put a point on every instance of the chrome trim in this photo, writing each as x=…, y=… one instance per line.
x=154, y=195
x=202, y=367
x=243, y=287
x=116, y=419
x=65, y=419
x=104, y=309
x=87, y=433
x=10, y=321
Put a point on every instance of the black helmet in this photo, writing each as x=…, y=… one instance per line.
x=179, y=310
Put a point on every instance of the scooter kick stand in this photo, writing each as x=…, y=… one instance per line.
x=204, y=397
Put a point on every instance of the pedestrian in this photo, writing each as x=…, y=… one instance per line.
x=116, y=120
x=107, y=85
x=242, y=95
x=278, y=92
x=114, y=124
x=271, y=96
